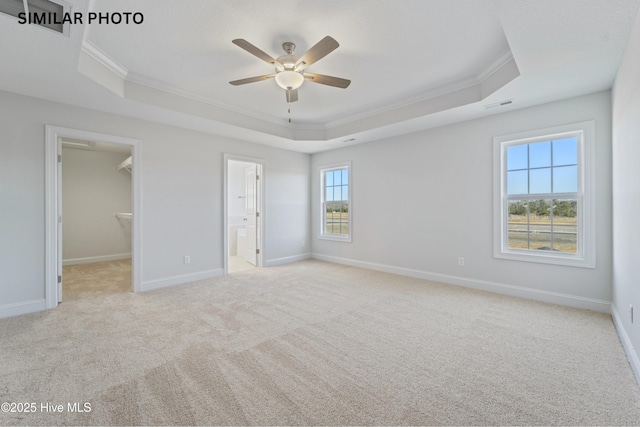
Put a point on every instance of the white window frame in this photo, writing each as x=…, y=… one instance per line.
x=321, y=173
x=586, y=254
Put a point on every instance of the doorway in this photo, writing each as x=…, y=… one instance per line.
x=97, y=218
x=243, y=213
x=54, y=138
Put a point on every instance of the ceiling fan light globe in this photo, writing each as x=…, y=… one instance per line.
x=289, y=80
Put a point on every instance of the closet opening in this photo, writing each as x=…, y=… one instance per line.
x=92, y=214
x=96, y=202
x=244, y=182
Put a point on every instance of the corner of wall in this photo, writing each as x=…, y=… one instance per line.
x=632, y=355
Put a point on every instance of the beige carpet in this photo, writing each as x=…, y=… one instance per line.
x=317, y=344
x=95, y=279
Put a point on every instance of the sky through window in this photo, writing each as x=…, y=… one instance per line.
x=543, y=167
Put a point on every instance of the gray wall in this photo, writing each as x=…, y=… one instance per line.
x=182, y=195
x=92, y=192
x=422, y=200
x=411, y=198
x=626, y=197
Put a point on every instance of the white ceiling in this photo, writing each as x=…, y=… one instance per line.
x=413, y=64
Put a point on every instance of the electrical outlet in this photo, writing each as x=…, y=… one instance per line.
x=631, y=312
x=461, y=262
x=187, y=259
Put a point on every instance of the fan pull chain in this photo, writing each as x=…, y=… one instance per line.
x=289, y=111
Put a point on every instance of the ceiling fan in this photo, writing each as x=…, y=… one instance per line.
x=290, y=69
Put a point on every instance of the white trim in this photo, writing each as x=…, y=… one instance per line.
x=287, y=260
x=586, y=258
x=151, y=83
x=261, y=207
x=496, y=66
x=504, y=59
x=104, y=59
x=632, y=355
x=447, y=90
x=92, y=259
x=499, y=288
x=50, y=217
x=24, y=307
x=150, y=285
x=52, y=186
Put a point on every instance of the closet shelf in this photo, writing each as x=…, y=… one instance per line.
x=125, y=164
x=124, y=215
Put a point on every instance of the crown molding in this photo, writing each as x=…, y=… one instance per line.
x=425, y=96
x=439, y=99
x=496, y=66
x=149, y=82
x=104, y=59
x=504, y=59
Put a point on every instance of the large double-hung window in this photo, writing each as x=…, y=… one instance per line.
x=544, y=196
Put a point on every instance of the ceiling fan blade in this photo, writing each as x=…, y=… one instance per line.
x=252, y=79
x=327, y=80
x=292, y=95
x=318, y=51
x=254, y=51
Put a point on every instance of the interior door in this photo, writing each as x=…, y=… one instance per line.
x=250, y=181
x=59, y=205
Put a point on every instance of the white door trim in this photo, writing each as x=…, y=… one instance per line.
x=260, y=205
x=52, y=187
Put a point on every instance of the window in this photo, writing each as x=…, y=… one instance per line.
x=335, y=193
x=543, y=207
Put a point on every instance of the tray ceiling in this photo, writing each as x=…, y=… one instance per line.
x=413, y=64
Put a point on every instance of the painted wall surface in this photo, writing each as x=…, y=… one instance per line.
x=182, y=194
x=626, y=196
x=92, y=192
x=422, y=200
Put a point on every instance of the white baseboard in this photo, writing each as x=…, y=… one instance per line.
x=102, y=258
x=179, y=280
x=286, y=260
x=632, y=355
x=25, y=307
x=500, y=288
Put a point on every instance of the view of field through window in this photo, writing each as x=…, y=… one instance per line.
x=543, y=225
x=336, y=199
x=537, y=174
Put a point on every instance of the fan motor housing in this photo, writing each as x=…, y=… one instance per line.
x=288, y=61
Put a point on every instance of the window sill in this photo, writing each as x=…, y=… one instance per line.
x=566, y=260
x=336, y=238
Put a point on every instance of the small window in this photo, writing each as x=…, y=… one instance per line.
x=543, y=202
x=336, y=202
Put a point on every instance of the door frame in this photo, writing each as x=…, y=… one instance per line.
x=260, y=195
x=53, y=188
